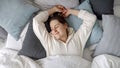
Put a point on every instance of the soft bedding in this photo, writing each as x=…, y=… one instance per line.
x=12, y=43
x=10, y=59
x=106, y=61
x=64, y=62
x=2, y=43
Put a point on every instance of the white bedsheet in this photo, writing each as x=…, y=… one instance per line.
x=10, y=59
x=64, y=62
x=106, y=61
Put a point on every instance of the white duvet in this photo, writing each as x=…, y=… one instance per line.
x=10, y=59
x=106, y=61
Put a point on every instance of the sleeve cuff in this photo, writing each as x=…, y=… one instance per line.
x=81, y=13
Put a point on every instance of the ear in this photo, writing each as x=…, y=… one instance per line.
x=66, y=25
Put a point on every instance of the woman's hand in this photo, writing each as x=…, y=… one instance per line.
x=57, y=8
x=71, y=11
x=65, y=11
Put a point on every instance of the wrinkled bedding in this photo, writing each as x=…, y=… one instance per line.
x=10, y=59
x=2, y=43
x=3, y=37
x=106, y=61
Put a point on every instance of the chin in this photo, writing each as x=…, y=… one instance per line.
x=57, y=37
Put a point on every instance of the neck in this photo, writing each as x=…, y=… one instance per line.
x=65, y=37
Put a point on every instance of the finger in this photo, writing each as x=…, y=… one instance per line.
x=61, y=7
x=64, y=12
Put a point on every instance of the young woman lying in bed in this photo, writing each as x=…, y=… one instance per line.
x=60, y=39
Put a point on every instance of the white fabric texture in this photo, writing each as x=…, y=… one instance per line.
x=117, y=10
x=116, y=2
x=65, y=62
x=2, y=43
x=47, y=4
x=75, y=42
x=87, y=54
x=106, y=61
x=12, y=43
x=10, y=59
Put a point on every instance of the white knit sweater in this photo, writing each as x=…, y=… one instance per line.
x=75, y=42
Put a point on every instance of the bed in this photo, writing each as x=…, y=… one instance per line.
x=17, y=50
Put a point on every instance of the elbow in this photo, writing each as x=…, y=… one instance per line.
x=37, y=19
x=34, y=19
x=94, y=17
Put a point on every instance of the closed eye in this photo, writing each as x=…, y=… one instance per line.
x=55, y=26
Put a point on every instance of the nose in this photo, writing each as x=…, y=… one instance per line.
x=54, y=31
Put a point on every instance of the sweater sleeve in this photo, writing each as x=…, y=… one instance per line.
x=40, y=29
x=86, y=27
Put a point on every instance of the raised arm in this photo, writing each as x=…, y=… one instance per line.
x=88, y=22
x=84, y=15
x=39, y=28
x=85, y=29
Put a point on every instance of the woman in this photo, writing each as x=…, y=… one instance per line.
x=62, y=40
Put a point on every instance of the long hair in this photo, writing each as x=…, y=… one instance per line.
x=56, y=16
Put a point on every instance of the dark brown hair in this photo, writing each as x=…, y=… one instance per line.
x=56, y=16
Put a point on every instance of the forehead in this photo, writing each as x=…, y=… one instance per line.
x=54, y=22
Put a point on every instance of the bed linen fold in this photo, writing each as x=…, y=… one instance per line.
x=10, y=59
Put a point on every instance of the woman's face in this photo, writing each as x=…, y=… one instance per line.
x=58, y=30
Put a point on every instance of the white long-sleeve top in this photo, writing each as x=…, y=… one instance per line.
x=76, y=40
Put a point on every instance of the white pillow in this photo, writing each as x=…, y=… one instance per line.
x=116, y=2
x=117, y=10
x=46, y=4
x=13, y=44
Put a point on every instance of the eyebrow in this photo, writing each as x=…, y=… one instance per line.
x=55, y=25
